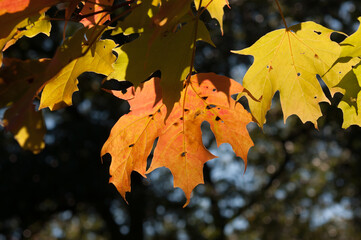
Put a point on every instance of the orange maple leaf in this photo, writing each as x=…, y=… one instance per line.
x=94, y=9
x=132, y=137
x=206, y=97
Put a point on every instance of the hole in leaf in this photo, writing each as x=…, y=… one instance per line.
x=317, y=32
x=214, y=90
x=183, y=154
x=186, y=110
x=298, y=74
x=131, y=145
x=175, y=124
x=181, y=118
x=337, y=37
x=204, y=98
x=315, y=97
x=210, y=106
x=218, y=118
x=150, y=115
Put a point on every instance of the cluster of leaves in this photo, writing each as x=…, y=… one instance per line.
x=171, y=108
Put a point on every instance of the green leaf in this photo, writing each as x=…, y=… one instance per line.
x=137, y=20
x=171, y=54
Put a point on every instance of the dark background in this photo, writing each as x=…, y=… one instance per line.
x=300, y=183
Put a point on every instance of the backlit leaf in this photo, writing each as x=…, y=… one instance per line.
x=29, y=27
x=289, y=61
x=351, y=101
x=351, y=46
x=207, y=97
x=58, y=91
x=130, y=148
x=180, y=148
x=18, y=10
x=137, y=20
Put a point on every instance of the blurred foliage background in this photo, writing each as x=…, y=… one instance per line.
x=301, y=183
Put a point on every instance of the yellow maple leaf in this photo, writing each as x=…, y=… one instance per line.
x=288, y=61
x=351, y=46
x=58, y=91
x=351, y=101
x=29, y=27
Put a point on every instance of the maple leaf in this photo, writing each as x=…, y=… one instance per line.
x=138, y=20
x=29, y=27
x=71, y=61
x=288, y=61
x=207, y=97
x=351, y=101
x=94, y=7
x=215, y=9
x=19, y=82
x=13, y=12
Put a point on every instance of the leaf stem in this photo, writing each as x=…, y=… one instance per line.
x=200, y=12
x=281, y=13
x=194, y=46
